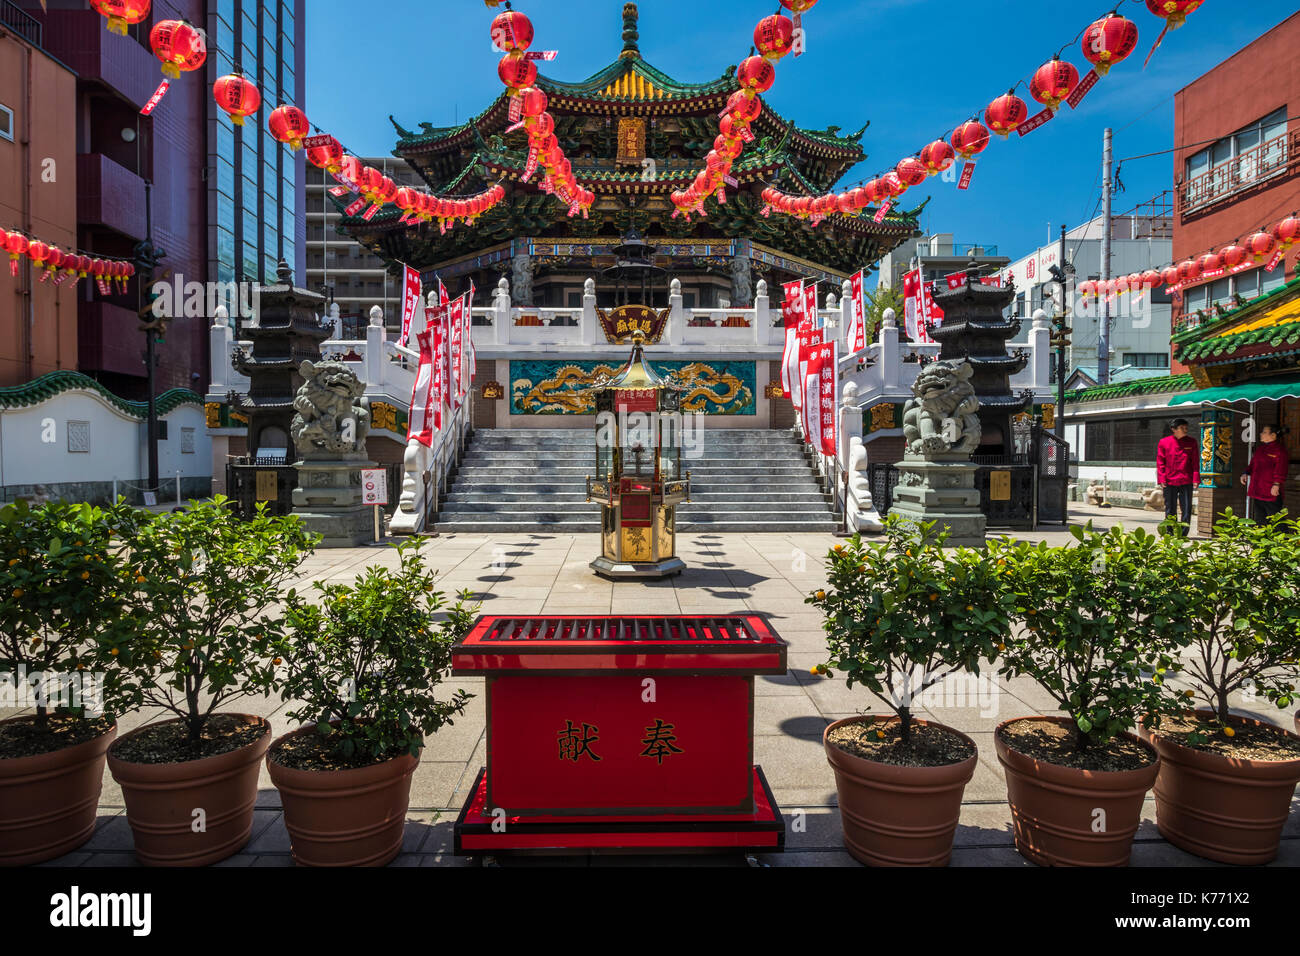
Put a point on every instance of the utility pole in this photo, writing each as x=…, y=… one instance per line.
x=1064, y=326
x=147, y=257
x=1103, y=331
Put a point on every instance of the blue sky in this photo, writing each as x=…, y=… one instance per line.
x=914, y=68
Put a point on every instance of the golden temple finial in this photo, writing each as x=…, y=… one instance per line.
x=630, y=35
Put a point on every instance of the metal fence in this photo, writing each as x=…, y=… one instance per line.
x=1263, y=162
x=21, y=22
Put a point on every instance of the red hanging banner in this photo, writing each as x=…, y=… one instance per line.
x=154, y=100
x=857, y=340
x=883, y=211
x=1080, y=91
x=828, y=369
x=411, y=294
x=456, y=314
x=967, y=173
x=1034, y=122
x=425, y=419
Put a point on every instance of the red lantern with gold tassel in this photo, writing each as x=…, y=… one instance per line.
x=937, y=157
x=1006, y=113
x=1169, y=275
x=328, y=156
x=773, y=36
x=970, y=138
x=744, y=107
x=517, y=71
x=756, y=73
x=121, y=13
x=16, y=245
x=512, y=32
x=1053, y=82
x=38, y=252
x=237, y=97
x=1175, y=12
x=179, y=46
x=1232, y=255
x=1261, y=246
x=289, y=125
x=1287, y=232
x=911, y=171
x=1108, y=41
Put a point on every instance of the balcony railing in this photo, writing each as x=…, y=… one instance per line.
x=20, y=22
x=1271, y=158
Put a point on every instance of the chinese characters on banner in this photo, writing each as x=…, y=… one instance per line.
x=792, y=315
x=809, y=339
x=425, y=418
x=920, y=311
x=857, y=340
x=456, y=312
x=469, y=333
x=810, y=305
x=412, y=291
x=823, y=375
x=437, y=328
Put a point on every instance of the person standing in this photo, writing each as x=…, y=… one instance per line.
x=1265, y=477
x=1178, y=470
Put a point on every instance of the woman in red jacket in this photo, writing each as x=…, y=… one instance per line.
x=1265, y=477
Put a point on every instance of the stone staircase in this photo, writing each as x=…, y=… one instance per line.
x=535, y=481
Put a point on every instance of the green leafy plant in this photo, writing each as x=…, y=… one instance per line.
x=1240, y=592
x=206, y=583
x=878, y=300
x=1101, y=626
x=61, y=592
x=904, y=613
x=366, y=661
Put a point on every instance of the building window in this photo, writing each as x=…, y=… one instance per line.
x=1148, y=359
x=1235, y=162
x=6, y=123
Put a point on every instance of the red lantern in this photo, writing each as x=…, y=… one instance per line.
x=533, y=102
x=1087, y=288
x=859, y=198
x=16, y=245
x=1169, y=275
x=756, y=73
x=911, y=171
x=1109, y=41
x=825, y=205
x=1006, y=113
x=1135, y=283
x=121, y=13
x=1174, y=11
x=352, y=170
x=38, y=251
x=1210, y=265
x=179, y=46
x=874, y=190
x=1150, y=279
x=970, y=138
x=407, y=200
x=1287, y=232
x=730, y=148
x=52, y=261
x=541, y=125
x=892, y=185
x=289, y=125
x=1188, y=271
x=937, y=157
x=237, y=97
x=798, y=6
x=1260, y=246
x=773, y=36
x=742, y=108
x=512, y=32
x=517, y=71
x=1053, y=82
x=1232, y=255
x=328, y=157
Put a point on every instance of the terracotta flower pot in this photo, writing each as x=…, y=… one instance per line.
x=1054, y=808
x=161, y=800
x=897, y=816
x=344, y=817
x=1223, y=808
x=48, y=802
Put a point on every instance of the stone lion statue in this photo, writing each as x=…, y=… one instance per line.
x=943, y=417
x=332, y=419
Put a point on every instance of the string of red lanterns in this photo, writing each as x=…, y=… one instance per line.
x=61, y=266
x=774, y=38
x=1265, y=247
x=513, y=32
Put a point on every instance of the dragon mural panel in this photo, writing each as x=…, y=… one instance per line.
x=561, y=388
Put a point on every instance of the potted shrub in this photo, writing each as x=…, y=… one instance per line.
x=902, y=614
x=1096, y=638
x=1226, y=782
x=206, y=582
x=61, y=593
x=363, y=667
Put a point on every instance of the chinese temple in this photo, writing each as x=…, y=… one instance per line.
x=634, y=135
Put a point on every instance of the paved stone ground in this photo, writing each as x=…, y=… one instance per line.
x=538, y=573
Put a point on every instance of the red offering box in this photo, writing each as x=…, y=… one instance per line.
x=620, y=716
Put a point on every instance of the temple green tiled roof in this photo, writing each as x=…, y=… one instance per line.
x=55, y=383
x=1274, y=336
x=1146, y=386
x=1244, y=311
